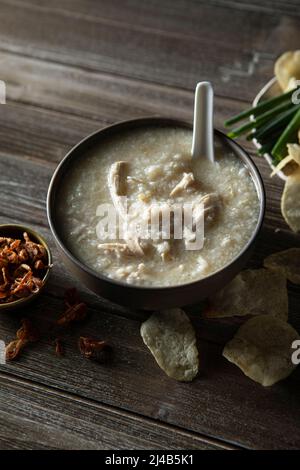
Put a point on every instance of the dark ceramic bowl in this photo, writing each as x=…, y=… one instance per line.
x=140, y=296
x=16, y=231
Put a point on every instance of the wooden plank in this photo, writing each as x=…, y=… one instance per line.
x=178, y=53
x=99, y=97
x=170, y=11
x=51, y=107
x=282, y=7
x=47, y=419
x=24, y=189
x=218, y=403
x=36, y=134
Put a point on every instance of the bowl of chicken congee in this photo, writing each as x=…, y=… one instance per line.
x=137, y=226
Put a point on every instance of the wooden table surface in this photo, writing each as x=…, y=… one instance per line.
x=71, y=67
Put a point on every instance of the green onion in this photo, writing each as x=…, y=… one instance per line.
x=280, y=122
x=289, y=135
x=270, y=138
x=266, y=148
x=267, y=142
x=260, y=108
x=260, y=120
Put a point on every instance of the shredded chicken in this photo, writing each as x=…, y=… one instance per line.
x=117, y=189
x=134, y=245
x=207, y=208
x=117, y=185
x=186, y=181
x=212, y=203
x=164, y=250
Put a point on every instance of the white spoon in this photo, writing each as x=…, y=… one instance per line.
x=203, y=132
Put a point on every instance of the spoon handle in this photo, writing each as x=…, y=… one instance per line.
x=203, y=133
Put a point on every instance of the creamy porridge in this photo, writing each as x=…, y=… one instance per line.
x=153, y=166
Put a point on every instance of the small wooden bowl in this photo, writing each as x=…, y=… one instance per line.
x=16, y=231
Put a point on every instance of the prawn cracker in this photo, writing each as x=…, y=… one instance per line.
x=252, y=292
x=262, y=349
x=171, y=339
x=290, y=201
x=287, y=263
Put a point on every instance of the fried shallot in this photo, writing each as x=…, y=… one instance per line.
x=26, y=334
x=75, y=310
x=92, y=348
x=59, y=350
x=23, y=264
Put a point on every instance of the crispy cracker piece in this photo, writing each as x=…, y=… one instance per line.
x=291, y=162
x=290, y=201
x=262, y=349
x=286, y=262
x=287, y=165
x=252, y=292
x=294, y=152
x=287, y=69
x=171, y=339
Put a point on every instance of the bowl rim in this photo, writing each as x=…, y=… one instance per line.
x=135, y=123
x=42, y=241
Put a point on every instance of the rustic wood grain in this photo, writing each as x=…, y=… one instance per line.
x=72, y=67
x=178, y=53
x=70, y=422
x=92, y=94
x=283, y=7
x=79, y=102
x=218, y=403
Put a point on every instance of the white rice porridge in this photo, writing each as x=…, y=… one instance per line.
x=155, y=167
